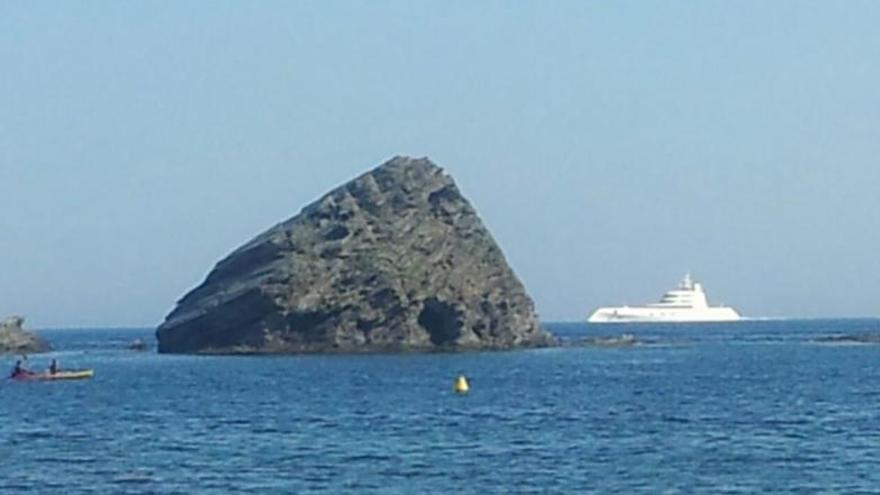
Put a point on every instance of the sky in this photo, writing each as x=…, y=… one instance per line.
x=610, y=147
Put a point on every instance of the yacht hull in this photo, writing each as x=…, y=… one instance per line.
x=636, y=314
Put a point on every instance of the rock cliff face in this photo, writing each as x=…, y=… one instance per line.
x=15, y=339
x=394, y=260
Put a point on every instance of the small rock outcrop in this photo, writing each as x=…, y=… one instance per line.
x=14, y=339
x=138, y=345
x=624, y=340
x=395, y=260
x=867, y=338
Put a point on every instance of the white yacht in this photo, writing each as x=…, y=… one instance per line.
x=687, y=303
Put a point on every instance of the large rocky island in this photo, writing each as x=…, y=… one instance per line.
x=395, y=260
x=14, y=339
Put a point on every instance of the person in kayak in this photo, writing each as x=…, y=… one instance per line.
x=18, y=369
x=53, y=367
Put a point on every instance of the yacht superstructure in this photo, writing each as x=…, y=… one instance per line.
x=687, y=303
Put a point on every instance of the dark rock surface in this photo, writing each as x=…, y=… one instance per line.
x=395, y=260
x=138, y=345
x=15, y=339
x=868, y=338
x=624, y=340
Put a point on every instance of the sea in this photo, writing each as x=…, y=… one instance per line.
x=735, y=408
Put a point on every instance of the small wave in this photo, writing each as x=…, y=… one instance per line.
x=34, y=434
x=16, y=487
x=367, y=457
x=675, y=419
x=66, y=460
x=133, y=478
x=234, y=421
x=265, y=430
x=178, y=447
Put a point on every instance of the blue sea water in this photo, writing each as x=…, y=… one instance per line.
x=749, y=407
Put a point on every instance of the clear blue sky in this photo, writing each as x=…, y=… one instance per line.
x=609, y=146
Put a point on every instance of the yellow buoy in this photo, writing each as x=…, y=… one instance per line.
x=461, y=385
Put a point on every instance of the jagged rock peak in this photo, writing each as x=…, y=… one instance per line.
x=394, y=260
x=14, y=339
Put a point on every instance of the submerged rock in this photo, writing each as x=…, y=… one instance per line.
x=15, y=339
x=395, y=260
x=868, y=338
x=138, y=345
x=623, y=340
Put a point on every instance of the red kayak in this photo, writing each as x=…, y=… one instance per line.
x=58, y=375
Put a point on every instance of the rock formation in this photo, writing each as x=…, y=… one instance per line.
x=624, y=340
x=395, y=260
x=16, y=340
x=138, y=345
x=866, y=338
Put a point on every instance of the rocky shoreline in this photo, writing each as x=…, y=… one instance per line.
x=14, y=339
